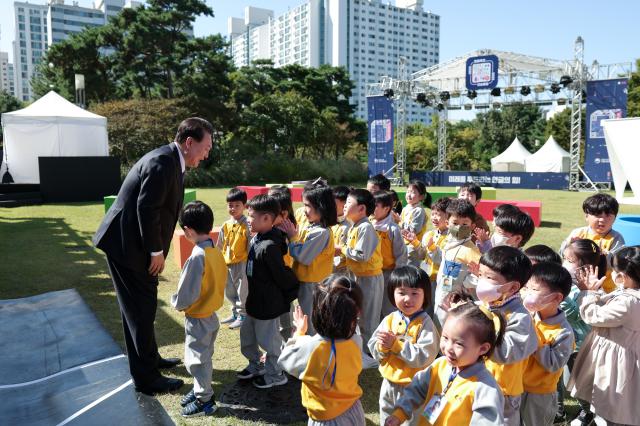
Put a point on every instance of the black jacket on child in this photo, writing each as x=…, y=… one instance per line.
x=272, y=284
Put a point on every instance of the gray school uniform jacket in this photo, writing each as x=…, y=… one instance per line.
x=398, y=248
x=473, y=387
x=509, y=359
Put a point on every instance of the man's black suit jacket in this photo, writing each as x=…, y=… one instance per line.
x=144, y=215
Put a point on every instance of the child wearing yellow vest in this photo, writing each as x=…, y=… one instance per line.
x=600, y=211
x=406, y=341
x=200, y=294
x=413, y=217
x=233, y=241
x=503, y=270
x=329, y=363
x=549, y=284
x=364, y=258
x=392, y=248
x=339, y=230
x=312, y=249
x=457, y=389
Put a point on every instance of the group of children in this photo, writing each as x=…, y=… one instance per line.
x=464, y=326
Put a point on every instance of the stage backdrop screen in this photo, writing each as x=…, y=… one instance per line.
x=605, y=99
x=380, y=124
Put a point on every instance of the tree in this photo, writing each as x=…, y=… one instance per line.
x=559, y=126
x=8, y=103
x=633, y=100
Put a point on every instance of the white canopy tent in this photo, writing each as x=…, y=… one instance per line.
x=623, y=145
x=512, y=159
x=50, y=127
x=550, y=158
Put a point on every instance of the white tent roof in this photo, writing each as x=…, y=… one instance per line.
x=515, y=153
x=51, y=107
x=50, y=127
x=550, y=158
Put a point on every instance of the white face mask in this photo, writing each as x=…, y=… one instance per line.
x=487, y=291
x=499, y=240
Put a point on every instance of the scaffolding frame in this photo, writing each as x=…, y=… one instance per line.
x=516, y=71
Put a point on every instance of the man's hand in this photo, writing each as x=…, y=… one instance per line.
x=157, y=265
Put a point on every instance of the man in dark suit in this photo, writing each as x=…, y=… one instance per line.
x=135, y=234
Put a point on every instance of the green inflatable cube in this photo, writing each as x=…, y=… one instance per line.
x=108, y=201
x=189, y=195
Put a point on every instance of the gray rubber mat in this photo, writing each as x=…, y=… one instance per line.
x=58, y=365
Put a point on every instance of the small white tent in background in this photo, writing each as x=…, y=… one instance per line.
x=550, y=158
x=50, y=127
x=512, y=159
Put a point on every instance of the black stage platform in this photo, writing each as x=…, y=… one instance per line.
x=59, y=366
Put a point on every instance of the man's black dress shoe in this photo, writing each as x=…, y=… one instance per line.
x=161, y=385
x=168, y=362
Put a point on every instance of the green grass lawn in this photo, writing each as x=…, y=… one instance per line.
x=47, y=248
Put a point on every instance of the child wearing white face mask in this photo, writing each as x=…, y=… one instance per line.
x=503, y=270
x=549, y=284
x=512, y=227
x=611, y=352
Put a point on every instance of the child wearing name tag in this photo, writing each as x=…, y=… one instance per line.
x=329, y=362
x=406, y=341
x=457, y=389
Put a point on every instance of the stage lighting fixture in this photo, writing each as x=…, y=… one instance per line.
x=495, y=91
x=421, y=98
x=388, y=93
x=555, y=88
x=472, y=94
x=444, y=96
x=566, y=80
x=509, y=90
x=468, y=106
x=440, y=107
x=455, y=94
x=525, y=90
x=539, y=88
x=562, y=101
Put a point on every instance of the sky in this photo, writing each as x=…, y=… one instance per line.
x=544, y=28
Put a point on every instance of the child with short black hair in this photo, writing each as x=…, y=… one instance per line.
x=329, y=363
x=313, y=248
x=512, y=228
x=272, y=287
x=406, y=341
x=233, y=241
x=549, y=284
x=364, y=258
x=503, y=271
x=378, y=183
x=472, y=192
x=339, y=230
x=414, y=218
x=458, y=253
x=392, y=248
x=605, y=372
x=541, y=253
x=457, y=389
x=200, y=294
x=600, y=211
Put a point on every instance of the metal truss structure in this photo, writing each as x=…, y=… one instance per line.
x=522, y=79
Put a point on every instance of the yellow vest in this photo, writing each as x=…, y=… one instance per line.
x=508, y=376
x=536, y=378
x=235, y=244
x=605, y=244
x=386, y=250
x=321, y=267
x=437, y=242
x=369, y=268
x=324, y=401
x=338, y=235
x=393, y=368
x=214, y=281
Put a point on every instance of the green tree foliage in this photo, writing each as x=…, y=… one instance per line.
x=633, y=100
x=8, y=103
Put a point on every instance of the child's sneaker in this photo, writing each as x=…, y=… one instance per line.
x=231, y=318
x=198, y=408
x=237, y=323
x=250, y=372
x=261, y=383
x=188, y=398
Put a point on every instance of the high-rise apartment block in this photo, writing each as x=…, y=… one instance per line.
x=367, y=37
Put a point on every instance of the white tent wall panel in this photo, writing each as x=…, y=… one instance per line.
x=623, y=145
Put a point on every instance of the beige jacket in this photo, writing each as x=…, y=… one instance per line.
x=607, y=369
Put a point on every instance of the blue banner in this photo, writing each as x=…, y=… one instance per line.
x=380, y=124
x=605, y=99
x=521, y=180
x=482, y=72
